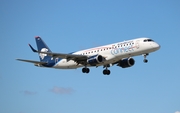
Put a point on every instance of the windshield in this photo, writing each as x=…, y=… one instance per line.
x=148, y=40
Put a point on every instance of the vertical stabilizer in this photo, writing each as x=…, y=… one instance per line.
x=41, y=46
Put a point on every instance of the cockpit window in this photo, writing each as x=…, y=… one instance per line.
x=145, y=40
x=148, y=40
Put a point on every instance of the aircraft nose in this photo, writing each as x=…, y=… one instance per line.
x=157, y=46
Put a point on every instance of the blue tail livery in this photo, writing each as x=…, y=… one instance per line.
x=42, y=47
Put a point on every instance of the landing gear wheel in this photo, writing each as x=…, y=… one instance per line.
x=106, y=72
x=145, y=61
x=85, y=70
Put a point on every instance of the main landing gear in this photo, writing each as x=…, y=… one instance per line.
x=145, y=60
x=105, y=71
x=85, y=70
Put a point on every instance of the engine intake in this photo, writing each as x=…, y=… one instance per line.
x=96, y=59
x=128, y=62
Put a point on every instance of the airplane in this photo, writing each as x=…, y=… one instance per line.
x=119, y=54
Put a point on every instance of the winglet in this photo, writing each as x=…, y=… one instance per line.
x=32, y=48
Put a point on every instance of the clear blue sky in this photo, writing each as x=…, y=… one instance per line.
x=70, y=25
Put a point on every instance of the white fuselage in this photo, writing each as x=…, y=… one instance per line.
x=113, y=52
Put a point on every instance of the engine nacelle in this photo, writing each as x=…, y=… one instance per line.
x=96, y=59
x=128, y=62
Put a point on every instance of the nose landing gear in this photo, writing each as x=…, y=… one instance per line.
x=145, y=60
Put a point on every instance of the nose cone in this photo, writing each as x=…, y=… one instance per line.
x=156, y=46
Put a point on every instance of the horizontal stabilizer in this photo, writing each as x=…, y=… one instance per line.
x=32, y=61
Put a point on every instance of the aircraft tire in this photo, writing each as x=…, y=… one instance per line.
x=106, y=72
x=85, y=70
x=145, y=61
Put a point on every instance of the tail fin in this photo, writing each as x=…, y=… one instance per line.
x=41, y=45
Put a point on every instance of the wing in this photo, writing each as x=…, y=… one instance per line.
x=32, y=61
x=77, y=58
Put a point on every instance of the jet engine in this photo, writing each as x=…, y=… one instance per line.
x=93, y=60
x=128, y=62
